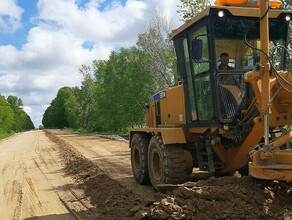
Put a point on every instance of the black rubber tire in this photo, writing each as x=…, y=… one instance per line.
x=166, y=163
x=243, y=171
x=139, y=145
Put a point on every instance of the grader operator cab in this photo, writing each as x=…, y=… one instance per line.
x=218, y=119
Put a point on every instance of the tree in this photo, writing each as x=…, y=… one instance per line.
x=6, y=116
x=62, y=111
x=14, y=102
x=86, y=100
x=159, y=50
x=287, y=5
x=71, y=110
x=124, y=84
x=12, y=117
x=189, y=8
x=21, y=121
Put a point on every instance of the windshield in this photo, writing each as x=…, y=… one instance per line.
x=229, y=39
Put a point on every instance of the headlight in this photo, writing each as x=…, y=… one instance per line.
x=220, y=14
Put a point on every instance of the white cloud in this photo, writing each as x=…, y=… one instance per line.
x=53, y=51
x=94, y=3
x=10, y=16
x=37, y=114
x=8, y=55
x=27, y=109
x=108, y=25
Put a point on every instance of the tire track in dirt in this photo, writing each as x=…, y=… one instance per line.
x=17, y=188
x=67, y=195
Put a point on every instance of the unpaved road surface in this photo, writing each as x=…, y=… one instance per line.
x=32, y=180
x=55, y=174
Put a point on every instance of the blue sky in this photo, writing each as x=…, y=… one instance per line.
x=18, y=38
x=44, y=42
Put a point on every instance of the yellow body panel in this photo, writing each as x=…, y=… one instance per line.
x=237, y=157
x=175, y=105
x=172, y=116
x=172, y=108
x=163, y=110
x=169, y=135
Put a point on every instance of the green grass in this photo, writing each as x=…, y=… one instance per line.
x=5, y=135
x=83, y=131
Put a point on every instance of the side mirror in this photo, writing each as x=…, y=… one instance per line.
x=197, y=49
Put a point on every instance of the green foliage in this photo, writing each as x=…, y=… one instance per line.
x=6, y=116
x=12, y=117
x=21, y=120
x=62, y=111
x=71, y=110
x=190, y=8
x=86, y=100
x=124, y=84
x=287, y=5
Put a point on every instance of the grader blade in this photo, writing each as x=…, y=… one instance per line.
x=276, y=171
x=271, y=163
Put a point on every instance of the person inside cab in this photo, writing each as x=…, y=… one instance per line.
x=224, y=59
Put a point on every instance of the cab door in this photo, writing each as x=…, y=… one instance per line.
x=198, y=78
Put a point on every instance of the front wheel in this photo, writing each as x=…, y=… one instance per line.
x=166, y=163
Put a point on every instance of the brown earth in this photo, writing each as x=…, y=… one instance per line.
x=56, y=174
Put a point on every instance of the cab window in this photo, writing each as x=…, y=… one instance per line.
x=202, y=79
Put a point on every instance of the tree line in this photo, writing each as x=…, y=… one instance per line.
x=12, y=118
x=113, y=93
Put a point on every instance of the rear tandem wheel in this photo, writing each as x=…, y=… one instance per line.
x=166, y=163
x=139, y=145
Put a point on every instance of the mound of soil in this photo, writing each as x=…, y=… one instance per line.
x=226, y=198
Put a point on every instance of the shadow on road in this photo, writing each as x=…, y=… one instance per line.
x=67, y=216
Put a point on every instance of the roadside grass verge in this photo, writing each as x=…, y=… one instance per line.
x=83, y=131
x=5, y=135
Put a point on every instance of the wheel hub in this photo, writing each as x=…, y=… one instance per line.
x=156, y=165
x=136, y=159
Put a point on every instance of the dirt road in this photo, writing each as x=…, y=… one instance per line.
x=32, y=182
x=38, y=181
x=56, y=174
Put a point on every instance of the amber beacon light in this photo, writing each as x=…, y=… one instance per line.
x=246, y=3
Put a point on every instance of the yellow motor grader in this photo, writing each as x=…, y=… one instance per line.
x=222, y=120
